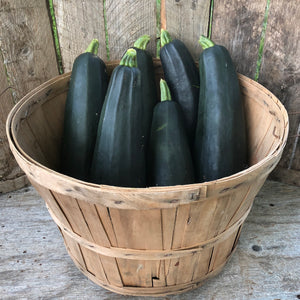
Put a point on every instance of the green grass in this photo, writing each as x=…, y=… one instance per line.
x=158, y=26
x=106, y=31
x=211, y=10
x=55, y=36
x=262, y=41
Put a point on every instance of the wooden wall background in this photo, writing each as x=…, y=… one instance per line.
x=261, y=35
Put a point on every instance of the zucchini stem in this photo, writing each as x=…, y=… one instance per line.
x=165, y=94
x=142, y=42
x=93, y=47
x=165, y=37
x=129, y=59
x=205, y=42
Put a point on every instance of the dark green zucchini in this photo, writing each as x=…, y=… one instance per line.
x=88, y=85
x=220, y=142
x=182, y=77
x=119, y=156
x=150, y=97
x=170, y=159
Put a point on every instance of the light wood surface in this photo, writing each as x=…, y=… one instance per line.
x=187, y=20
x=280, y=73
x=34, y=263
x=11, y=176
x=127, y=21
x=78, y=22
x=230, y=28
x=27, y=59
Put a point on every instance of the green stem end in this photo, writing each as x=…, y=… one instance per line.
x=129, y=59
x=205, y=42
x=165, y=94
x=93, y=47
x=142, y=42
x=165, y=37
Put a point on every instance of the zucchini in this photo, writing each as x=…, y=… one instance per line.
x=220, y=142
x=119, y=155
x=150, y=97
x=170, y=158
x=88, y=85
x=182, y=77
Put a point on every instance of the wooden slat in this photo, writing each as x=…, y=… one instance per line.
x=187, y=20
x=74, y=250
x=264, y=140
x=52, y=204
x=168, y=217
x=78, y=22
x=45, y=137
x=27, y=44
x=237, y=25
x=181, y=223
x=128, y=20
x=44, y=131
x=135, y=228
x=100, y=237
x=27, y=58
x=9, y=170
x=280, y=70
x=247, y=201
x=221, y=252
x=200, y=269
x=29, y=142
x=104, y=215
x=78, y=223
x=138, y=230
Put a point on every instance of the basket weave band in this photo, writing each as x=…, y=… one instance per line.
x=149, y=254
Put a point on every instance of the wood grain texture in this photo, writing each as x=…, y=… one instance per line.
x=35, y=264
x=11, y=176
x=237, y=25
x=280, y=71
x=186, y=20
x=78, y=22
x=27, y=58
x=26, y=44
x=128, y=20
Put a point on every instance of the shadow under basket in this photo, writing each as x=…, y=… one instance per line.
x=145, y=241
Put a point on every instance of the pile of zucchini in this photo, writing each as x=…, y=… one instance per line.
x=117, y=131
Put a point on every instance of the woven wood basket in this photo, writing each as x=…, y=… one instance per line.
x=148, y=241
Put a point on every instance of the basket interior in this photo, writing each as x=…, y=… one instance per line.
x=38, y=124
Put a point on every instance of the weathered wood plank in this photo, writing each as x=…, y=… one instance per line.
x=128, y=20
x=187, y=20
x=27, y=58
x=280, y=71
x=11, y=176
x=26, y=44
x=237, y=25
x=78, y=22
x=34, y=263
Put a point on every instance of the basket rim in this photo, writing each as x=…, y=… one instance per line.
x=145, y=190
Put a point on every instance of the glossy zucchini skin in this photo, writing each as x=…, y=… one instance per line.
x=220, y=147
x=119, y=156
x=150, y=97
x=170, y=158
x=182, y=76
x=88, y=85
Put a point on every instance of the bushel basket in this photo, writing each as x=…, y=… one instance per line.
x=145, y=241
